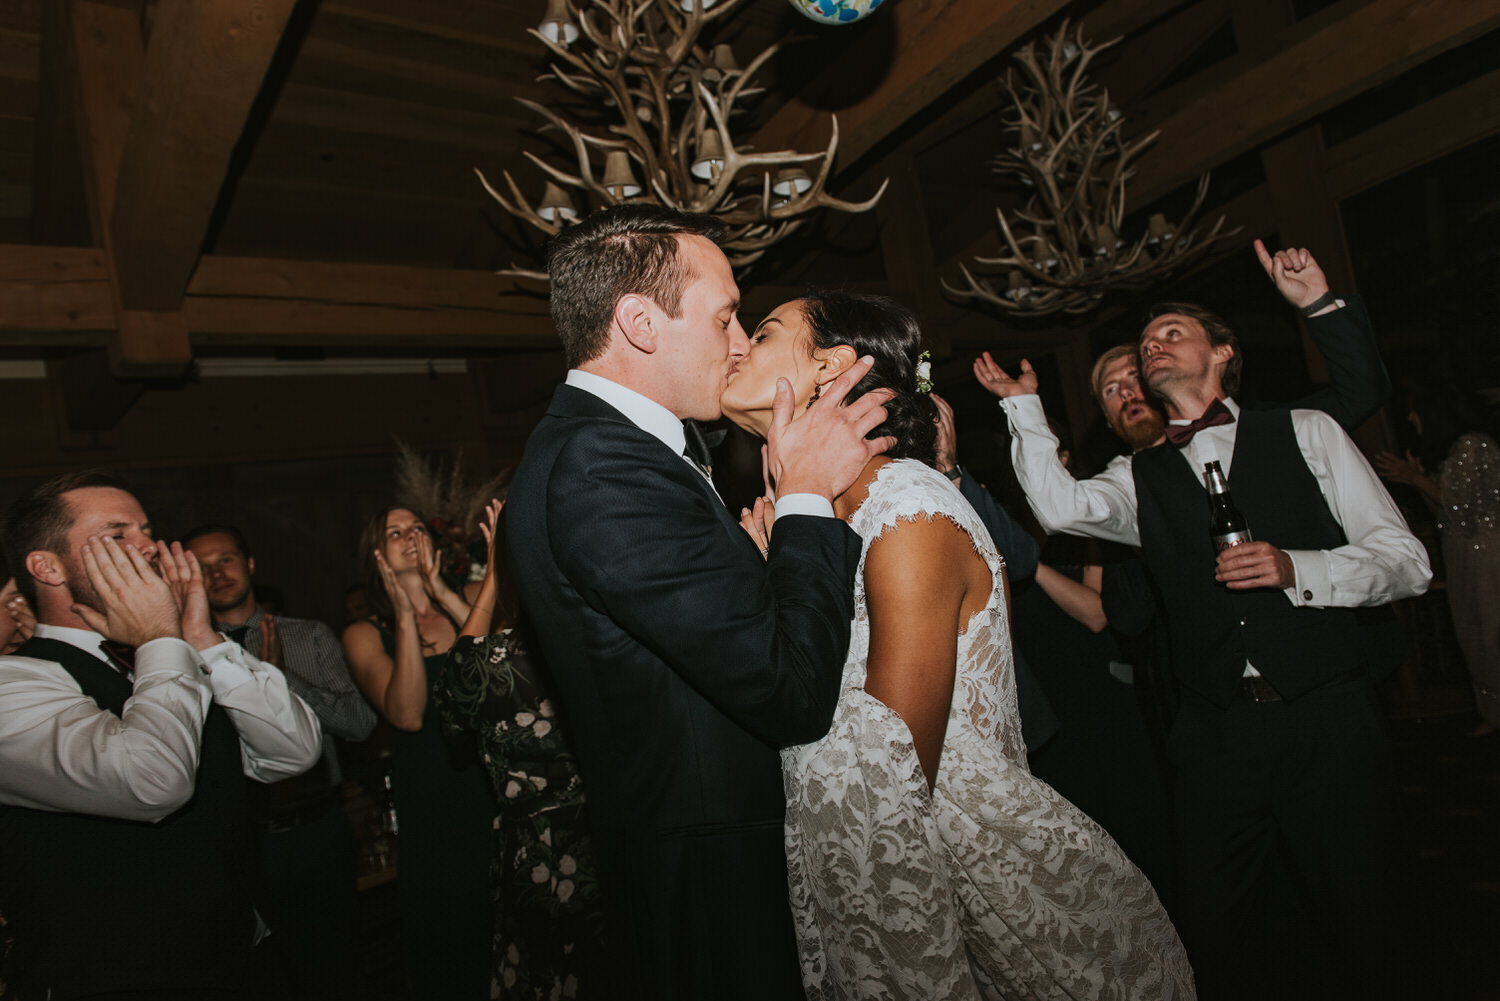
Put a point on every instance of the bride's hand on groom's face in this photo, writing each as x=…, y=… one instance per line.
x=824, y=450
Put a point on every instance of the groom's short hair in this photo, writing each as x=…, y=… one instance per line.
x=615, y=252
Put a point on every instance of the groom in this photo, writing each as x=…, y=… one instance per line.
x=684, y=656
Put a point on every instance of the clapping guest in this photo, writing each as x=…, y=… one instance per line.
x=127, y=725
x=1463, y=488
x=443, y=806
x=17, y=622
x=548, y=921
x=305, y=876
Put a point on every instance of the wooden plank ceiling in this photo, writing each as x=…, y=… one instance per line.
x=324, y=172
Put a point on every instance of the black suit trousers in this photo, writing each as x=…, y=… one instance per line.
x=1309, y=781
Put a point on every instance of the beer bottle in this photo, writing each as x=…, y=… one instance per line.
x=1227, y=525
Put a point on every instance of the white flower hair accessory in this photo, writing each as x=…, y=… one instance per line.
x=924, y=372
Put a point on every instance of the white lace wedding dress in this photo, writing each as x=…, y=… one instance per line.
x=989, y=886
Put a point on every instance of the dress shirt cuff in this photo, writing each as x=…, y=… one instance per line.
x=813, y=505
x=1025, y=411
x=1313, y=584
x=168, y=655
x=228, y=664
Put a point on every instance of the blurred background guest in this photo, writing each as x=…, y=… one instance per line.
x=442, y=801
x=1456, y=469
x=305, y=875
x=17, y=621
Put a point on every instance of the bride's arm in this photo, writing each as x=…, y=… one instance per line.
x=917, y=576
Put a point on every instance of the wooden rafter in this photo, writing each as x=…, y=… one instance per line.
x=202, y=71
x=1370, y=45
x=52, y=296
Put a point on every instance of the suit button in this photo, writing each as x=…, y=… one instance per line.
x=1307, y=596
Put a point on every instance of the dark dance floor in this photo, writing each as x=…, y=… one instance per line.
x=1452, y=788
x=1451, y=784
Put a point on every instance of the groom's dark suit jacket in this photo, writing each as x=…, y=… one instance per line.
x=684, y=661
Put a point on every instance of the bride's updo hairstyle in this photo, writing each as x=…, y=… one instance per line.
x=887, y=331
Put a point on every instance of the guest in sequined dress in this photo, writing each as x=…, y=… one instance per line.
x=1457, y=443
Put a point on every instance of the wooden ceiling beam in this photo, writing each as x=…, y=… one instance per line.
x=202, y=71
x=1447, y=123
x=108, y=57
x=939, y=45
x=1368, y=46
x=59, y=207
x=51, y=296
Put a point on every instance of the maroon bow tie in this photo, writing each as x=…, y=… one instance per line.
x=120, y=655
x=1216, y=414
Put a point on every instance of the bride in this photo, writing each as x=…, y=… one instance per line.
x=924, y=859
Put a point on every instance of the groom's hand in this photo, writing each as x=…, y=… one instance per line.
x=822, y=451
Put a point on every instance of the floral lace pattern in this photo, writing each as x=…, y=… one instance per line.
x=989, y=886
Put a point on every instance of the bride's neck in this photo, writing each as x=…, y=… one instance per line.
x=846, y=503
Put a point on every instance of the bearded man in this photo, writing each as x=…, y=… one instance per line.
x=126, y=725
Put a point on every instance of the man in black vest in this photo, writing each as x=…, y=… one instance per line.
x=1278, y=744
x=684, y=656
x=126, y=727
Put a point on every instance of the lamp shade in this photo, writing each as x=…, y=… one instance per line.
x=557, y=24
x=556, y=205
x=619, y=179
x=710, y=158
x=790, y=182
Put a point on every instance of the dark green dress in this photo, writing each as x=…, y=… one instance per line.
x=548, y=922
x=445, y=814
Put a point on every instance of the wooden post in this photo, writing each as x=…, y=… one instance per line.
x=108, y=55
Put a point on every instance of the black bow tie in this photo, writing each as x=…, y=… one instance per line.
x=697, y=443
x=237, y=634
x=1216, y=414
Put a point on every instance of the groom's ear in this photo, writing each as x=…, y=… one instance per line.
x=834, y=362
x=633, y=317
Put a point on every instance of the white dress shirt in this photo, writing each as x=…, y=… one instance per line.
x=1382, y=561
x=659, y=422
x=60, y=751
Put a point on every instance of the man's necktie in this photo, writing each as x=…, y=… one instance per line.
x=237, y=634
x=697, y=445
x=1215, y=415
x=121, y=655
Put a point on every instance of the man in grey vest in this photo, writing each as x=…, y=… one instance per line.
x=1278, y=744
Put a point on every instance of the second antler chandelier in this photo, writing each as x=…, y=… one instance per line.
x=671, y=141
x=1066, y=247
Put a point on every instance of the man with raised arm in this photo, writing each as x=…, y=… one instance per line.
x=1278, y=744
x=684, y=659
x=127, y=725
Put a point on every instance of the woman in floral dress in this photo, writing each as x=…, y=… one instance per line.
x=548, y=923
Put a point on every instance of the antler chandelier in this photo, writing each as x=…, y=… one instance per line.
x=1066, y=247
x=671, y=142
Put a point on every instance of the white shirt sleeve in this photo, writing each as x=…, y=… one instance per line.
x=60, y=751
x=813, y=505
x=1382, y=561
x=1103, y=507
x=279, y=733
